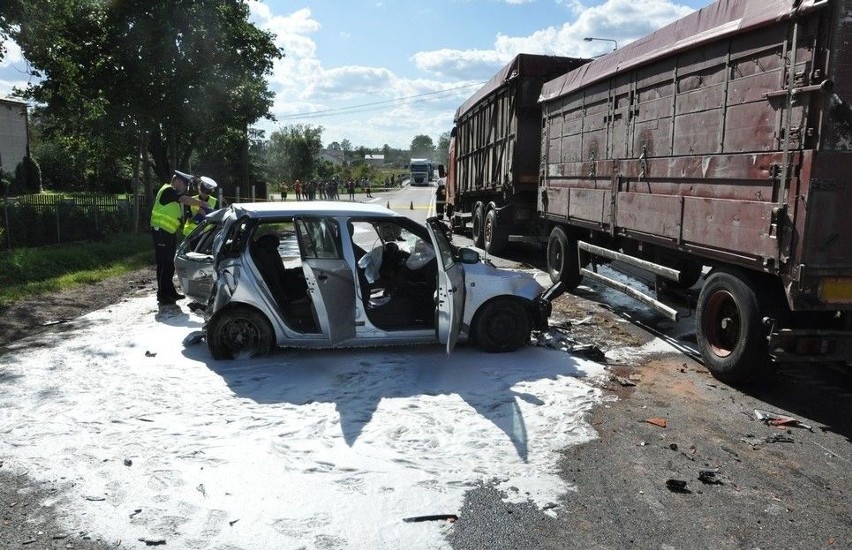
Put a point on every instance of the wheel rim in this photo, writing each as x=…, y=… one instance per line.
x=488, y=232
x=241, y=336
x=722, y=323
x=555, y=258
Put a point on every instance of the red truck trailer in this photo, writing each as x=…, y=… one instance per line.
x=493, y=173
x=719, y=145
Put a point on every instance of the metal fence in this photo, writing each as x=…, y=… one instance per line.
x=38, y=220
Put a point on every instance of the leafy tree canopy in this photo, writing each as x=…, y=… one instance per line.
x=422, y=147
x=189, y=74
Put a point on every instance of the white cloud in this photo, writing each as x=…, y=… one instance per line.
x=304, y=85
x=620, y=20
x=13, y=53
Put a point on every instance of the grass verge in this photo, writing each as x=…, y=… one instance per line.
x=29, y=272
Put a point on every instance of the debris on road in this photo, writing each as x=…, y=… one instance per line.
x=150, y=354
x=557, y=339
x=656, y=421
x=624, y=381
x=153, y=542
x=677, y=486
x=193, y=338
x=709, y=477
x=775, y=419
x=779, y=438
x=56, y=322
x=436, y=517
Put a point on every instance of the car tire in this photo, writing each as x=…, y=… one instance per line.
x=239, y=332
x=501, y=325
x=729, y=328
x=477, y=231
x=494, y=237
x=562, y=262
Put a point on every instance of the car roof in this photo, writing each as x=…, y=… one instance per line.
x=295, y=208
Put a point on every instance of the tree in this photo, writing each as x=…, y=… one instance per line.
x=422, y=147
x=294, y=152
x=185, y=75
x=442, y=151
x=346, y=145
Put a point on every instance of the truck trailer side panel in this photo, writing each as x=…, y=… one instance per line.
x=724, y=139
x=496, y=145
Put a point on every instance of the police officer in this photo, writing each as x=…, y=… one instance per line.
x=166, y=218
x=194, y=214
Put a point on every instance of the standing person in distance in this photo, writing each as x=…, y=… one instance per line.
x=166, y=218
x=194, y=214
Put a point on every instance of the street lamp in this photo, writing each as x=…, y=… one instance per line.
x=590, y=38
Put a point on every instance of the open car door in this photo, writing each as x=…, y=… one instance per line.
x=451, y=291
x=328, y=276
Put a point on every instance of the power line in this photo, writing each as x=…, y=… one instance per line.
x=352, y=109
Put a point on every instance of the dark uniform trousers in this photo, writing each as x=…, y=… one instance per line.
x=165, y=244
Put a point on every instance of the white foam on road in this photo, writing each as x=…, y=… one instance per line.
x=314, y=449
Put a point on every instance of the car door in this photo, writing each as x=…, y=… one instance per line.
x=194, y=260
x=328, y=276
x=451, y=291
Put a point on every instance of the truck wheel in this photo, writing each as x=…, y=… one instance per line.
x=730, y=330
x=495, y=238
x=501, y=325
x=562, y=263
x=477, y=233
x=690, y=272
x=239, y=332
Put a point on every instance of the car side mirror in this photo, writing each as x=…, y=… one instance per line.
x=468, y=256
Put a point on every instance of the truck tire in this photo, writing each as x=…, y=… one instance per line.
x=562, y=262
x=690, y=272
x=501, y=325
x=729, y=327
x=239, y=332
x=477, y=232
x=495, y=238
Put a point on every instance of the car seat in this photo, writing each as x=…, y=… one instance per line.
x=289, y=290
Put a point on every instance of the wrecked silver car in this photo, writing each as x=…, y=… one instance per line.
x=327, y=274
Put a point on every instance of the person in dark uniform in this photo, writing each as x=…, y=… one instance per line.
x=166, y=220
x=440, y=199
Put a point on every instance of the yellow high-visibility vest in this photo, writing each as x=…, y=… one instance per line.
x=189, y=224
x=166, y=216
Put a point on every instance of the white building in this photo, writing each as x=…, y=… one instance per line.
x=375, y=160
x=14, y=133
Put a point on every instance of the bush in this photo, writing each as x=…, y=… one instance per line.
x=27, y=177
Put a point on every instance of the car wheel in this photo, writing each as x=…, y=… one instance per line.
x=562, y=262
x=502, y=325
x=730, y=330
x=239, y=332
x=495, y=238
x=477, y=233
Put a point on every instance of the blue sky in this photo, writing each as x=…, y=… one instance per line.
x=379, y=72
